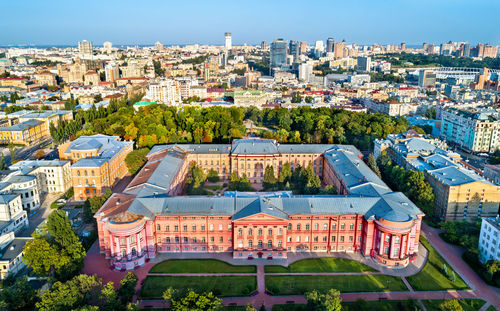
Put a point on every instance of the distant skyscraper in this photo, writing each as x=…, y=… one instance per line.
x=303, y=47
x=403, y=46
x=85, y=47
x=294, y=50
x=430, y=48
x=424, y=46
x=338, y=49
x=364, y=63
x=278, y=53
x=329, y=45
x=229, y=41
x=466, y=52
x=263, y=45
x=112, y=72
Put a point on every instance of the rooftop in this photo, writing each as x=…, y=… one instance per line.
x=147, y=194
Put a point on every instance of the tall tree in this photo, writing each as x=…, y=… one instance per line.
x=192, y=301
x=372, y=163
x=269, y=181
x=329, y=301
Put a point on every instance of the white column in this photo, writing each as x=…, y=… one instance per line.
x=381, y=243
x=128, y=247
x=391, y=249
x=138, y=239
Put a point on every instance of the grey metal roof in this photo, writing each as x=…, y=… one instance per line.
x=6, y=198
x=21, y=126
x=368, y=195
x=455, y=176
x=254, y=146
x=13, y=249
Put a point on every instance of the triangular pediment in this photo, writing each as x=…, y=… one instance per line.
x=261, y=217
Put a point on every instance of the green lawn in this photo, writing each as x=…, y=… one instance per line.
x=467, y=304
x=321, y=265
x=199, y=266
x=154, y=286
x=299, y=284
x=431, y=276
x=386, y=305
x=289, y=307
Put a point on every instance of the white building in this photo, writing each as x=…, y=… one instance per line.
x=12, y=215
x=24, y=185
x=305, y=71
x=228, y=41
x=112, y=71
x=166, y=91
x=11, y=254
x=489, y=239
x=52, y=175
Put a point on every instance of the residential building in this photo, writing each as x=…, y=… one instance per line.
x=26, y=186
x=492, y=173
x=475, y=130
x=52, y=175
x=149, y=218
x=247, y=98
x=339, y=49
x=11, y=255
x=13, y=217
x=426, y=78
x=98, y=163
x=364, y=63
x=228, y=41
x=112, y=71
x=166, y=91
x=460, y=193
x=489, y=239
x=46, y=78
x=24, y=133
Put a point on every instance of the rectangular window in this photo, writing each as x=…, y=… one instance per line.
x=341, y=238
x=333, y=238
x=194, y=227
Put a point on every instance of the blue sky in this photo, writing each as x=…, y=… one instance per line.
x=193, y=21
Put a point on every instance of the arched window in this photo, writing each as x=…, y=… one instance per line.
x=134, y=252
x=250, y=231
x=260, y=243
x=78, y=173
x=270, y=232
x=260, y=231
x=124, y=253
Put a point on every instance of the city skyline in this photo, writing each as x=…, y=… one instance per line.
x=60, y=23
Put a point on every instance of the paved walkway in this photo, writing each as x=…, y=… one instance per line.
x=453, y=255
x=480, y=290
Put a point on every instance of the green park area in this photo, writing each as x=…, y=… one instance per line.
x=224, y=286
x=300, y=284
x=361, y=305
x=199, y=266
x=436, y=274
x=315, y=265
x=466, y=304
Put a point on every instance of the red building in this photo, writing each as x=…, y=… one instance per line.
x=366, y=217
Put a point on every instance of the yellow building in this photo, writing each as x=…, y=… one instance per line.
x=462, y=195
x=98, y=163
x=23, y=133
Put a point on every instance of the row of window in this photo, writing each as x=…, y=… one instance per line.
x=193, y=227
x=177, y=239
